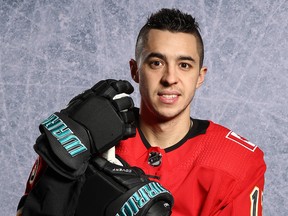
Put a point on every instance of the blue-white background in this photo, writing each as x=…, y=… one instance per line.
x=52, y=50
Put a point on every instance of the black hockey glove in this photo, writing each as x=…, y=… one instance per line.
x=112, y=190
x=92, y=123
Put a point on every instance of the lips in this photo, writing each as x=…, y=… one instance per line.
x=168, y=97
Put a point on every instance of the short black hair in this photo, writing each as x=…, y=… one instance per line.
x=172, y=20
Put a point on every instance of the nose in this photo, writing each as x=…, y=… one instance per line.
x=169, y=76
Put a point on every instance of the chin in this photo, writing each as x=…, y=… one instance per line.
x=167, y=115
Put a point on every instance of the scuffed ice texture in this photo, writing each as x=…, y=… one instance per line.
x=53, y=50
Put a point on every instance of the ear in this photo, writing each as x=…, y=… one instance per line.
x=201, y=76
x=134, y=70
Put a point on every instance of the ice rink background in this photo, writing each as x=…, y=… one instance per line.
x=52, y=50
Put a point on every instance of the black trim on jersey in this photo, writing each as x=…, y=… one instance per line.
x=22, y=202
x=199, y=127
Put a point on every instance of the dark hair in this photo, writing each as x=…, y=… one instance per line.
x=172, y=20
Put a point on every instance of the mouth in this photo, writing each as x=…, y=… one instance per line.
x=168, y=97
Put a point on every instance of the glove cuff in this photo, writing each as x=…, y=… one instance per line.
x=64, y=145
x=139, y=200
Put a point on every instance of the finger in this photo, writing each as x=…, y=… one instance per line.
x=104, y=88
x=100, y=86
x=110, y=87
x=123, y=103
x=123, y=86
x=74, y=102
x=128, y=117
x=82, y=96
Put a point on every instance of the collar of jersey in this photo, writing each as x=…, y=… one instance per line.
x=199, y=127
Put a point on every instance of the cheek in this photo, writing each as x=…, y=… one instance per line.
x=148, y=86
x=143, y=85
x=146, y=80
x=190, y=85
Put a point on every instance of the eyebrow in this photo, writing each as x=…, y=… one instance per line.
x=161, y=56
x=155, y=55
x=188, y=58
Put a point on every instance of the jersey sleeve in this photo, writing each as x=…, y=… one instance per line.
x=49, y=193
x=38, y=169
x=247, y=199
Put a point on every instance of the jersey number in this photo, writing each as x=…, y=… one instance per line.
x=254, y=198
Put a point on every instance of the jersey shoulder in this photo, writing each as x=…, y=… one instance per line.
x=226, y=150
x=224, y=136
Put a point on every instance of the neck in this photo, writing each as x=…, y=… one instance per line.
x=165, y=133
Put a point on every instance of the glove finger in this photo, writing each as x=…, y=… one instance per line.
x=128, y=116
x=122, y=86
x=99, y=87
x=104, y=88
x=123, y=103
x=130, y=131
x=78, y=99
x=110, y=87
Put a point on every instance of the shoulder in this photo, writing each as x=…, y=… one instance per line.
x=223, y=136
x=228, y=151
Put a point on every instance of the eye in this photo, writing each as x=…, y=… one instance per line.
x=185, y=65
x=155, y=64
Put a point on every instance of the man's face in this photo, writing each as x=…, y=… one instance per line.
x=168, y=74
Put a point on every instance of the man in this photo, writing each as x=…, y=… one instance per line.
x=208, y=169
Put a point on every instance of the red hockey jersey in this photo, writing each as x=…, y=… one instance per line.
x=211, y=171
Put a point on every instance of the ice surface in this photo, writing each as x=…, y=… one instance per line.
x=53, y=50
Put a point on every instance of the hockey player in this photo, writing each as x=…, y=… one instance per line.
x=209, y=169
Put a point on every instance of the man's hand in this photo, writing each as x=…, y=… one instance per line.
x=91, y=124
x=121, y=190
x=107, y=120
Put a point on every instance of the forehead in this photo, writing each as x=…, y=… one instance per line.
x=171, y=43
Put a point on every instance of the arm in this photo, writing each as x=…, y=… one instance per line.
x=49, y=193
x=38, y=169
x=92, y=123
x=249, y=197
x=71, y=144
x=63, y=197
